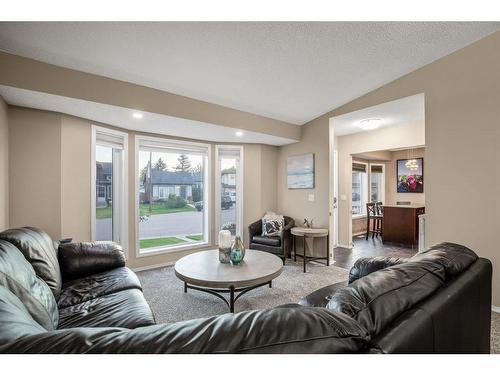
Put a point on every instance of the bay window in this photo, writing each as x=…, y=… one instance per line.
x=229, y=188
x=172, y=182
x=109, y=219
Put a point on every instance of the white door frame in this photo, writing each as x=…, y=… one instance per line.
x=333, y=200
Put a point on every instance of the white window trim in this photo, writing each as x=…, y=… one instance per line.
x=98, y=129
x=239, y=189
x=382, y=189
x=158, y=141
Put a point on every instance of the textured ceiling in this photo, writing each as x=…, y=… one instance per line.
x=288, y=71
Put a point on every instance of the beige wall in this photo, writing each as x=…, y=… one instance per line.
x=462, y=131
x=295, y=203
x=35, y=170
x=4, y=165
x=391, y=194
x=75, y=178
x=51, y=179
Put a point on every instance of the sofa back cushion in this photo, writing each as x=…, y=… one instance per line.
x=15, y=321
x=453, y=257
x=38, y=249
x=378, y=298
x=18, y=276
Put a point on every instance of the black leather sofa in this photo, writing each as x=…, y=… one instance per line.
x=79, y=298
x=277, y=245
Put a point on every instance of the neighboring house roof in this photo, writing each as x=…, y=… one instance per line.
x=175, y=178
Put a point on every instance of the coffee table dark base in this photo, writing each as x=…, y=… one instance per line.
x=232, y=292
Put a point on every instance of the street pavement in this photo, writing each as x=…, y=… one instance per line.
x=179, y=223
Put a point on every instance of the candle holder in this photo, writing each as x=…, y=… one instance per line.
x=225, y=246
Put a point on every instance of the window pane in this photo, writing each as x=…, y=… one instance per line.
x=359, y=192
x=104, y=193
x=228, y=194
x=171, y=199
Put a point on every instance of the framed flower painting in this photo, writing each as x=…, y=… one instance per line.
x=410, y=175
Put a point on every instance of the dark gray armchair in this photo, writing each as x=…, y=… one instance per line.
x=278, y=245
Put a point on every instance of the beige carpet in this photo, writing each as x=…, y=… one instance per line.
x=164, y=293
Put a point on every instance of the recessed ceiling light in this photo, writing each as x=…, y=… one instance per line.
x=370, y=123
x=137, y=115
x=239, y=133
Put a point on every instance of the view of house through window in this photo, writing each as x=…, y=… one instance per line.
x=229, y=174
x=110, y=207
x=172, y=202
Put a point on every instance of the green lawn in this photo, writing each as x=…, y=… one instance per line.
x=161, y=241
x=195, y=237
x=103, y=213
x=156, y=209
x=160, y=208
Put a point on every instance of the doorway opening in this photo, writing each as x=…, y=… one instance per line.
x=377, y=181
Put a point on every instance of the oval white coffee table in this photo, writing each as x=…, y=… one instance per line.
x=202, y=271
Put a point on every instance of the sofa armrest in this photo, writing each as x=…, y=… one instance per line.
x=365, y=266
x=254, y=229
x=78, y=260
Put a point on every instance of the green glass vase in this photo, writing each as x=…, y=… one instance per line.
x=237, y=251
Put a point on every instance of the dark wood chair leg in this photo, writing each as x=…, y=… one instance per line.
x=367, y=226
x=374, y=228
x=328, y=250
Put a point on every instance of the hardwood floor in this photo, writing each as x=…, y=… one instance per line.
x=345, y=258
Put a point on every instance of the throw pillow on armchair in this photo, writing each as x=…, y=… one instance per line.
x=272, y=224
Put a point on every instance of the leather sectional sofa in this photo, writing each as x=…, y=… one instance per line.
x=80, y=298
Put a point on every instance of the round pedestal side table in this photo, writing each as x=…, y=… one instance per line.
x=310, y=234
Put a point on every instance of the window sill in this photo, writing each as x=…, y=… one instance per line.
x=359, y=216
x=172, y=249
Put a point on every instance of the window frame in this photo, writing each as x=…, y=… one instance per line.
x=207, y=227
x=382, y=188
x=122, y=192
x=362, y=215
x=239, y=189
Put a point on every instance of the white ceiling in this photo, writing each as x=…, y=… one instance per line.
x=288, y=71
x=409, y=110
x=122, y=117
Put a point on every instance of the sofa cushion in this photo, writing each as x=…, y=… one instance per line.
x=86, y=258
x=365, y=266
x=38, y=248
x=378, y=298
x=321, y=297
x=268, y=241
x=15, y=321
x=127, y=309
x=18, y=276
x=81, y=290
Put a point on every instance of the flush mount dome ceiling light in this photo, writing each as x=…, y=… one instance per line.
x=239, y=133
x=370, y=123
x=137, y=115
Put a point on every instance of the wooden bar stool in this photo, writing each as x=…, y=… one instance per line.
x=373, y=217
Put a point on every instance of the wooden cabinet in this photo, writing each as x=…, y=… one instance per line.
x=400, y=224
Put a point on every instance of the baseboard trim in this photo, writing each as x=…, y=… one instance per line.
x=346, y=246
x=495, y=309
x=153, y=266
